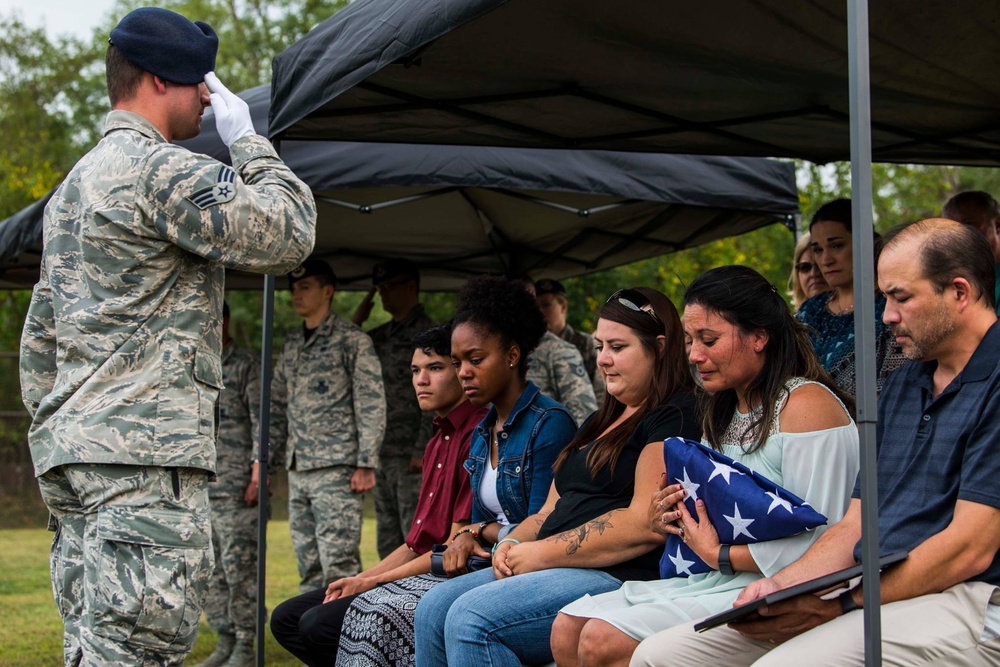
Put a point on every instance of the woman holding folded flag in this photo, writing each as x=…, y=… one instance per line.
x=769, y=406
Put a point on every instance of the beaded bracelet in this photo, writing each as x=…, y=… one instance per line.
x=468, y=529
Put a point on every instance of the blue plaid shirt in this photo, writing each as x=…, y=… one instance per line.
x=933, y=452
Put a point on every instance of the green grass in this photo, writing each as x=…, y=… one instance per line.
x=31, y=632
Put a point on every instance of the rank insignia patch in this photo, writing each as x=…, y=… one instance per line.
x=223, y=191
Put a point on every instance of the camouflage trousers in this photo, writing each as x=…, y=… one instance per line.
x=130, y=561
x=324, y=516
x=231, y=606
x=396, y=493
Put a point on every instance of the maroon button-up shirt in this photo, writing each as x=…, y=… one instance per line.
x=445, y=492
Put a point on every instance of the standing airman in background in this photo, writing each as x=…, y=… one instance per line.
x=120, y=353
x=407, y=429
x=556, y=368
x=232, y=592
x=327, y=420
x=554, y=302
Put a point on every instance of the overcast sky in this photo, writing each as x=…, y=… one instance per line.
x=59, y=17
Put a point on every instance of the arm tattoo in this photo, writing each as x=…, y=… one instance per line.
x=575, y=537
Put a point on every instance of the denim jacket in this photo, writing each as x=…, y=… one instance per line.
x=532, y=437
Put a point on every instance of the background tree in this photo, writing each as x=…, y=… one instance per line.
x=49, y=110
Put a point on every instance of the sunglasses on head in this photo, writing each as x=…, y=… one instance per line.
x=633, y=300
x=804, y=267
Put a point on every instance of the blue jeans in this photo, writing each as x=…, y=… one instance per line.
x=476, y=621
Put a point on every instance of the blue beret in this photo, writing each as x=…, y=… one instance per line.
x=167, y=44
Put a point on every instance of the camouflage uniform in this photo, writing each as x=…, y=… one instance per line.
x=327, y=420
x=585, y=344
x=407, y=431
x=232, y=594
x=120, y=371
x=557, y=368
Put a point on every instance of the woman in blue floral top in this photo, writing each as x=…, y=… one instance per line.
x=830, y=315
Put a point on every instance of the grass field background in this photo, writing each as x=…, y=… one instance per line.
x=30, y=629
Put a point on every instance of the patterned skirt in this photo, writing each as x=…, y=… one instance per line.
x=378, y=626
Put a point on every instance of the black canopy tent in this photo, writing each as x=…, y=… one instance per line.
x=730, y=77
x=460, y=211
x=735, y=77
x=21, y=245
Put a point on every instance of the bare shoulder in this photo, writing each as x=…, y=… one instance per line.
x=812, y=407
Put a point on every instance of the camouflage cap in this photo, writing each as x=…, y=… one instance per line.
x=549, y=286
x=313, y=267
x=393, y=269
x=167, y=44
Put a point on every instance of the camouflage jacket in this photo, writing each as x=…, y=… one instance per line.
x=585, y=344
x=557, y=368
x=407, y=428
x=120, y=350
x=327, y=401
x=239, y=405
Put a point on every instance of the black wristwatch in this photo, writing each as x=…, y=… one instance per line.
x=847, y=603
x=725, y=564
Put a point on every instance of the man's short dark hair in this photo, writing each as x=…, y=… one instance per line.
x=949, y=252
x=436, y=339
x=975, y=198
x=122, y=75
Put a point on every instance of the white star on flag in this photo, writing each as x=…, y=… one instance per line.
x=680, y=564
x=739, y=524
x=690, y=487
x=722, y=470
x=777, y=501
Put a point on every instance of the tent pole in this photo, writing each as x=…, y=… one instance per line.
x=864, y=316
x=264, y=422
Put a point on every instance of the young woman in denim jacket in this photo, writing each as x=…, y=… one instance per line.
x=495, y=328
x=592, y=533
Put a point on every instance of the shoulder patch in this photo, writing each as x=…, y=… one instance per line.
x=223, y=191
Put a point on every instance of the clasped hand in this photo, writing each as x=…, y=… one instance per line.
x=511, y=558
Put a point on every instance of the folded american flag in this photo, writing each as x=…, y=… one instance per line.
x=744, y=506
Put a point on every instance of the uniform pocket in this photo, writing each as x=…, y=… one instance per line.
x=208, y=381
x=151, y=575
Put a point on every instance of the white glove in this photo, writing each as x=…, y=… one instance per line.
x=232, y=115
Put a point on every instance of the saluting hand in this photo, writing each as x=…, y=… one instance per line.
x=232, y=114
